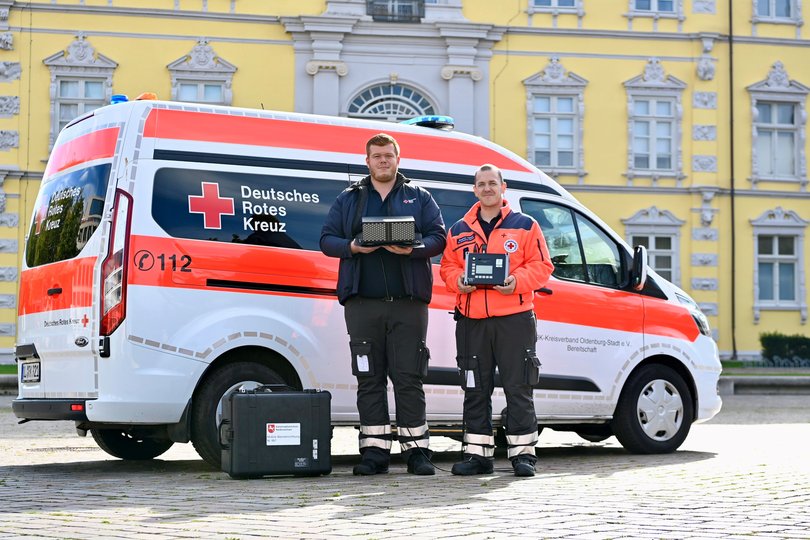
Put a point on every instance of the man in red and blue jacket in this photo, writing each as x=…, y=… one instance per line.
x=496, y=326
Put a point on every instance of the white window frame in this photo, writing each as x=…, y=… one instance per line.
x=654, y=85
x=383, y=94
x=795, y=17
x=200, y=67
x=652, y=222
x=655, y=13
x=555, y=82
x=555, y=9
x=780, y=222
x=78, y=62
x=778, y=88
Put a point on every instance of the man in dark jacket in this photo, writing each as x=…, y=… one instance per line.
x=385, y=291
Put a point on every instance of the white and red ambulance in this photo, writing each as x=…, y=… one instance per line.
x=173, y=256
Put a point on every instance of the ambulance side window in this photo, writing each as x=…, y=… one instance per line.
x=222, y=206
x=579, y=250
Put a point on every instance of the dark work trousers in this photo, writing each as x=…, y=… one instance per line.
x=508, y=342
x=387, y=339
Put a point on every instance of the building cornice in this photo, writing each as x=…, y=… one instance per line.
x=145, y=12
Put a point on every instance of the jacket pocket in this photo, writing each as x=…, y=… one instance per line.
x=362, y=359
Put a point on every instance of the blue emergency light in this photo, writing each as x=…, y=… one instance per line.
x=445, y=123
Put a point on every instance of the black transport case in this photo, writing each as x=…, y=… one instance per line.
x=276, y=431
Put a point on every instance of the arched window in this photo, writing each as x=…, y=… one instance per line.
x=393, y=102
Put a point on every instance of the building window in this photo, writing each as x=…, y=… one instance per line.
x=660, y=251
x=76, y=97
x=393, y=102
x=777, y=263
x=779, y=118
x=556, y=109
x=776, y=133
x=660, y=232
x=202, y=77
x=779, y=273
x=654, y=124
x=200, y=92
x=655, y=10
x=775, y=9
x=554, y=137
x=653, y=134
x=555, y=3
x=664, y=6
x=396, y=10
x=81, y=81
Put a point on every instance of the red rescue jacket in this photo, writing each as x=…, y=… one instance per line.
x=515, y=234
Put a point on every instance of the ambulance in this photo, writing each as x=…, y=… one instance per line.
x=173, y=257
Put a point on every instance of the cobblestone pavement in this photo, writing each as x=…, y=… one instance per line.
x=745, y=474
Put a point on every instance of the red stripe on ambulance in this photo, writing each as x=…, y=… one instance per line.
x=74, y=277
x=220, y=128
x=91, y=146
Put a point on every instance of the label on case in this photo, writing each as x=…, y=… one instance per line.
x=283, y=434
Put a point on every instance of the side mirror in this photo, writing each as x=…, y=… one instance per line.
x=638, y=274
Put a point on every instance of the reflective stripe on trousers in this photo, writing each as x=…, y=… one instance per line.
x=413, y=437
x=376, y=436
x=479, y=445
x=521, y=444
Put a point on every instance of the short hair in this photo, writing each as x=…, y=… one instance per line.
x=488, y=167
x=381, y=139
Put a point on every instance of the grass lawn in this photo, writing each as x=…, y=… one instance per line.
x=8, y=369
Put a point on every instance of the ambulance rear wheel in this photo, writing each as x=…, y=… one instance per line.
x=654, y=412
x=208, y=402
x=129, y=445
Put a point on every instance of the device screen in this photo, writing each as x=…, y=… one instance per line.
x=483, y=269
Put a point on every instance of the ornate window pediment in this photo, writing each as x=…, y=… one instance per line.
x=654, y=127
x=81, y=80
x=660, y=232
x=779, y=270
x=202, y=76
x=779, y=114
x=555, y=108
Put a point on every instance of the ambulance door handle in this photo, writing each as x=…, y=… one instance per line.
x=54, y=291
x=544, y=290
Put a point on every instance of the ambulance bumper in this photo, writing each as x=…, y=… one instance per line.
x=50, y=409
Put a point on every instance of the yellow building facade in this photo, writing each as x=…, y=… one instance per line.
x=681, y=123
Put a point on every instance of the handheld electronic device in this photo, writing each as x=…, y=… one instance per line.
x=486, y=268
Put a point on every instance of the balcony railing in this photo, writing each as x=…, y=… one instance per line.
x=407, y=11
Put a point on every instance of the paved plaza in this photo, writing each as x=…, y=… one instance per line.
x=746, y=474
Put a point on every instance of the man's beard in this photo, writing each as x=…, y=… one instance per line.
x=385, y=176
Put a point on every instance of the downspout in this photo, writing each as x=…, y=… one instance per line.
x=732, y=180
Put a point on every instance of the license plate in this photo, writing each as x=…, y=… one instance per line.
x=30, y=372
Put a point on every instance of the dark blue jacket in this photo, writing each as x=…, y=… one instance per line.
x=404, y=200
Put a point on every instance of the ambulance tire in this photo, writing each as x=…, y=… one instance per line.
x=207, y=403
x=121, y=444
x=659, y=390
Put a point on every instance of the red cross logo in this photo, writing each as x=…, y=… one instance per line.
x=85, y=320
x=210, y=205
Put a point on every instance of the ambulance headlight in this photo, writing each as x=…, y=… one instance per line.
x=699, y=317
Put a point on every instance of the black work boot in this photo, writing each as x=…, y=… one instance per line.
x=419, y=462
x=372, y=461
x=472, y=465
x=523, y=465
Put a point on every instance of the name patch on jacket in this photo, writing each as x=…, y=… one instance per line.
x=463, y=239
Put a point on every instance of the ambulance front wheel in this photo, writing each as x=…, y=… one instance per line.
x=129, y=445
x=208, y=401
x=654, y=412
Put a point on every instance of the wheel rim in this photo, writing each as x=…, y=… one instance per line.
x=660, y=410
x=243, y=385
